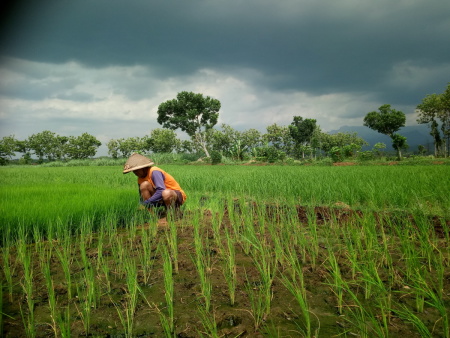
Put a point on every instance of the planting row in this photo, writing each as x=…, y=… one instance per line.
x=232, y=267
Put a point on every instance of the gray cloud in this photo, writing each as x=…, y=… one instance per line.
x=334, y=60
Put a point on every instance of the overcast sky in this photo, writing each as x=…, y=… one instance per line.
x=104, y=66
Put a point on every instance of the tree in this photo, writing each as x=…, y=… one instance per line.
x=422, y=150
x=377, y=149
x=387, y=121
x=223, y=140
x=341, y=140
x=444, y=116
x=279, y=137
x=301, y=131
x=162, y=140
x=184, y=146
x=192, y=113
x=399, y=143
x=130, y=145
x=44, y=144
x=251, y=138
x=113, y=148
x=429, y=111
x=8, y=147
x=82, y=147
x=234, y=143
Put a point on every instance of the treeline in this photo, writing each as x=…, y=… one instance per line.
x=197, y=116
x=276, y=144
x=48, y=146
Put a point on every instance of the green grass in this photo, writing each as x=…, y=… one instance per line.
x=243, y=246
x=37, y=196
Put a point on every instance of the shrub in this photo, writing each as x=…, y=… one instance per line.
x=216, y=157
x=367, y=155
x=336, y=154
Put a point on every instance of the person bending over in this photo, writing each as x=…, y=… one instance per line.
x=156, y=187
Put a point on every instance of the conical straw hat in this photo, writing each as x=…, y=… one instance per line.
x=135, y=162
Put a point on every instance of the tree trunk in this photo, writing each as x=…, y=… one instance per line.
x=202, y=142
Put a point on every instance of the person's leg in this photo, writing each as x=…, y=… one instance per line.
x=169, y=198
x=173, y=200
x=146, y=190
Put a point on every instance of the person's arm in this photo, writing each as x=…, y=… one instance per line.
x=158, y=181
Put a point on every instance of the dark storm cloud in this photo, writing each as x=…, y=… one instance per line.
x=313, y=46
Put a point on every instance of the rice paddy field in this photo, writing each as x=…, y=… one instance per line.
x=260, y=251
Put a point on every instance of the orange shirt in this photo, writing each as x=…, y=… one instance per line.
x=169, y=181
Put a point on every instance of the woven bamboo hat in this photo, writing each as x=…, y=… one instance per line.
x=135, y=162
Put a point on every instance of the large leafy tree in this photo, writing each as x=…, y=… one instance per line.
x=162, y=140
x=341, y=140
x=126, y=146
x=113, y=148
x=302, y=131
x=234, y=143
x=192, y=113
x=434, y=110
x=8, y=147
x=279, y=137
x=251, y=138
x=82, y=147
x=387, y=121
x=224, y=139
x=44, y=144
x=444, y=116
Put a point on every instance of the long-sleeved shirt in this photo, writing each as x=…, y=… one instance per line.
x=160, y=180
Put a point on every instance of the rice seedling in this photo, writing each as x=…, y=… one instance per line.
x=8, y=269
x=145, y=254
x=202, y=262
x=296, y=287
x=313, y=242
x=257, y=299
x=432, y=298
x=27, y=286
x=232, y=215
x=172, y=242
x=167, y=321
x=87, y=295
x=52, y=303
x=260, y=292
x=118, y=251
x=208, y=321
x=1, y=306
x=126, y=315
x=408, y=316
x=248, y=226
x=229, y=266
x=216, y=225
x=64, y=322
x=362, y=318
x=338, y=283
x=64, y=253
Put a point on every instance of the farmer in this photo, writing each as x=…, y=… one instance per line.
x=156, y=187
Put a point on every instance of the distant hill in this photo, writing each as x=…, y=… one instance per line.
x=415, y=135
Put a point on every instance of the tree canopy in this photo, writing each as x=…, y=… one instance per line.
x=388, y=121
x=434, y=110
x=192, y=113
x=302, y=131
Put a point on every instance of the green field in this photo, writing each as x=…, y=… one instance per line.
x=260, y=251
x=35, y=196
